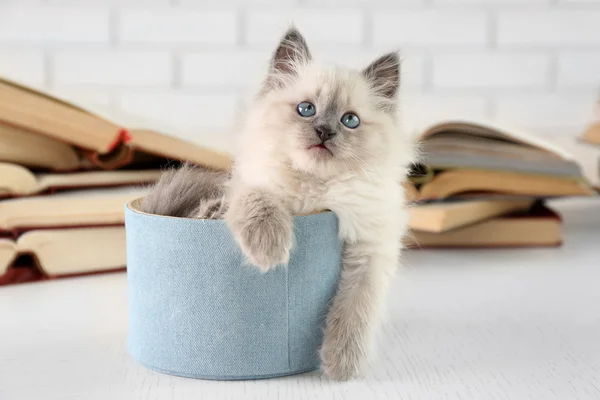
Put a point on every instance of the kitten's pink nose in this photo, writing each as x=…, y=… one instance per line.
x=324, y=132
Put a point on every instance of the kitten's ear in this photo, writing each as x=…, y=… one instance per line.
x=292, y=51
x=384, y=75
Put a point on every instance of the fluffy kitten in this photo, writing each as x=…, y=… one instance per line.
x=317, y=138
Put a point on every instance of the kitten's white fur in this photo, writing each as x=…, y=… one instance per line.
x=276, y=176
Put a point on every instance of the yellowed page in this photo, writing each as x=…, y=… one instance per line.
x=71, y=251
x=8, y=251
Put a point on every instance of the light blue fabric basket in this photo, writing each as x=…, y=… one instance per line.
x=196, y=310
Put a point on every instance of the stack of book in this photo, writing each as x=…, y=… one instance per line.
x=67, y=171
x=65, y=175
x=481, y=185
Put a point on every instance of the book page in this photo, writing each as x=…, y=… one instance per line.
x=502, y=131
x=71, y=251
x=72, y=208
x=33, y=150
x=534, y=229
x=461, y=181
x=440, y=217
x=130, y=121
x=38, y=91
x=8, y=251
x=87, y=107
x=16, y=179
x=461, y=150
x=30, y=111
x=588, y=157
x=97, y=178
x=174, y=148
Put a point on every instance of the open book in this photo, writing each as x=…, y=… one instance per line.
x=78, y=208
x=36, y=151
x=51, y=253
x=437, y=217
x=69, y=233
x=16, y=181
x=467, y=157
x=537, y=226
x=106, y=140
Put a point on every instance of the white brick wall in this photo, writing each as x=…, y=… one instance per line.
x=233, y=68
x=551, y=112
x=422, y=109
x=551, y=27
x=490, y=70
x=332, y=25
x=53, y=25
x=27, y=66
x=531, y=63
x=430, y=28
x=174, y=26
x=112, y=68
x=210, y=109
x=577, y=69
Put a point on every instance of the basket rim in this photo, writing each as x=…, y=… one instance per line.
x=133, y=207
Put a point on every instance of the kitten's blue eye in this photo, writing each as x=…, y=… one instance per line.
x=350, y=120
x=306, y=109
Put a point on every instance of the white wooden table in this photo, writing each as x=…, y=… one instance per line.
x=490, y=324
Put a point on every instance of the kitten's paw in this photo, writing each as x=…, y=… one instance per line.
x=342, y=355
x=267, y=243
x=262, y=227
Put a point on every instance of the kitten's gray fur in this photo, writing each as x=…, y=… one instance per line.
x=188, y=192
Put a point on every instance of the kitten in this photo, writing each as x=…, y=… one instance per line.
x=317, y=138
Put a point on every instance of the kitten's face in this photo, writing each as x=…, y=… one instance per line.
x=330, y=121
x=327, y=120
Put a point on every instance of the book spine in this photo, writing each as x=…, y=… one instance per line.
x=120, y=155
